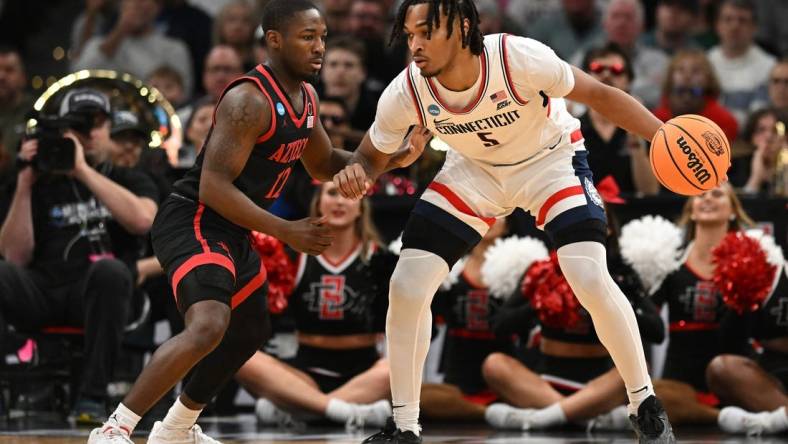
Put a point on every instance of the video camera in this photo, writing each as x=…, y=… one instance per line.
x=55, y=152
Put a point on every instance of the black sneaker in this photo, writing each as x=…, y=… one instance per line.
x=390, y=434
x=652, y=425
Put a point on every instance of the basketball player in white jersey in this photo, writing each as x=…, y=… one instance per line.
x=498, y=102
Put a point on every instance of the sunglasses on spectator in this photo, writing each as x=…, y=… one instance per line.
x=694, y=91
x=615, y=69
x=335, y=120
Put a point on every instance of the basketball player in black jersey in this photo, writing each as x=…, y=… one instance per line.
x=264, y=122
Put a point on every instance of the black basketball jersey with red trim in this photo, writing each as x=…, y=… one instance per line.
x=270, y=162
x=467, y=309
x=342, y=298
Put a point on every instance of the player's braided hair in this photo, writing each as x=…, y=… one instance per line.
x=464, y=9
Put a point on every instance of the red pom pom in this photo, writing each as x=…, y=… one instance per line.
x=550, y=295
x=279, y=268
x=742, y=275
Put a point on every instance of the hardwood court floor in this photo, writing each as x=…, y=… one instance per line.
x=243, y=429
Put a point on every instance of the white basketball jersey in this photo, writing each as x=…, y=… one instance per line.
x=501, y=124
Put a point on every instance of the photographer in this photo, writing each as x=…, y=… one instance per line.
x=70, y=240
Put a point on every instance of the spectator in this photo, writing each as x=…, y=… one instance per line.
x=772, y=32
x=222, y=66
x=197, y=128
x=529, y=12
x=337, y=14
x=170, y=84
x=134, y=46
x=367, y=23
x=493, y=21
x=674, y=24
x=575, y=26
x=695, y=307
x=344, y=76
x=235, y=27
x=179, y=20
x=572, y=379
x=129, y=139
x=70, y=242
x=742, y=67
x=334, y=117
x=778, y=86
x=94, y=20
x=623, y=25
x=611, y=150
x=15, y=102
x=691, y=87
x=339, y=305
x=755, y=154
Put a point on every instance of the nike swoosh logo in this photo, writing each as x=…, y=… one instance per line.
x=438, y=122
x=397, y=406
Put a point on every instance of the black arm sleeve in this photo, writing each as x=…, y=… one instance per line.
x=652, y=329
x=381, y=266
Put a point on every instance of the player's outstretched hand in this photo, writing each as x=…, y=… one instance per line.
x=411, y=147
x=309, y=235
x=352, y=181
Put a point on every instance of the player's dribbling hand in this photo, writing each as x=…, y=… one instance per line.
x=352, y=181
x=309, y=235
x=411, y=147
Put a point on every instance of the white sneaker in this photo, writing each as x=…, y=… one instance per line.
x=163, y=435
x=737, y=420
x=504, y=416
x=374, y=415
x=108, y=434
x=614, y=420
x=269, y=414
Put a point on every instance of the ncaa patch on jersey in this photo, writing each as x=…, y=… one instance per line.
x=433, y=109
x=592, y=192
x=280, y=108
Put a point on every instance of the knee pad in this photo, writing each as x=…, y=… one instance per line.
x=415, y=280
x=584, y=265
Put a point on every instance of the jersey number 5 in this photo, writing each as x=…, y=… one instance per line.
x=487, y=140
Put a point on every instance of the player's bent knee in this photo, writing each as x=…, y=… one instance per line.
x=206, y=324
x=109, y=272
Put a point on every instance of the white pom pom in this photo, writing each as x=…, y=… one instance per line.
x=506, y=261
x=454, y=275
x=396, y=245
x=774, y=253
x=651, y=246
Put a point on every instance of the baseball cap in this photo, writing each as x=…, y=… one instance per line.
x=84, y=100
x=127, y=121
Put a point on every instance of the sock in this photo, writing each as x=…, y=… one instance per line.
x=407, y=417
x=616, y=419
x=124, y=419
x=547, y=417
x=584, y=265
x=779, y=420
x=180, y=417
x=408, y=329
x=338, y=410
x=637, y=396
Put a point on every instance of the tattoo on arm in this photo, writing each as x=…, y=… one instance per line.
x=240, y=115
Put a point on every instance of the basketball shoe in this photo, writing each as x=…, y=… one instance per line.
x=390, y=434
x=163, y=435
x=507, y=417
x=109, y=435
x=651, y=424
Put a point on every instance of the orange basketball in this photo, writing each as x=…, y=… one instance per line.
x=690, y=154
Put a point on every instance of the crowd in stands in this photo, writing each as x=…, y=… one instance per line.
x=75, y=253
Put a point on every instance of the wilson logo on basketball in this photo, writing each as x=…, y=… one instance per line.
x=693, y=162
x=713, y=142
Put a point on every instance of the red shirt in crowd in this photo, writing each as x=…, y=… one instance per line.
x=713, y=111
